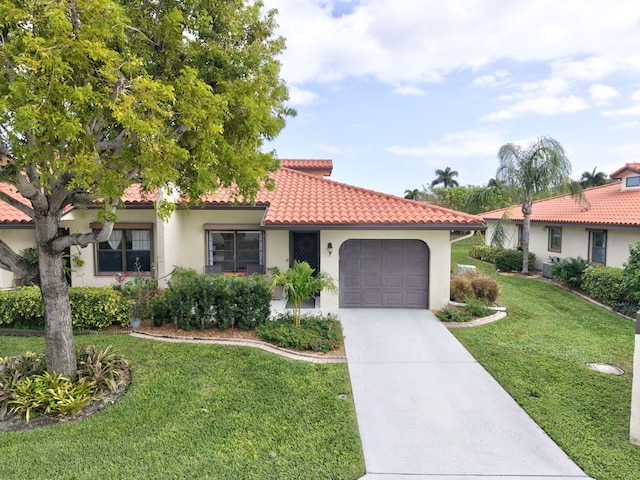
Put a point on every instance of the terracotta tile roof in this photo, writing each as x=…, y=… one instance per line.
x=607, y=205
x=310, y=200
x=316, y=166
x=303, y=199
x=8, y=214
x=631, y=167
x=134, y=195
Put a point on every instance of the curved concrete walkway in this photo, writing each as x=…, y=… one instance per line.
x=427, y=410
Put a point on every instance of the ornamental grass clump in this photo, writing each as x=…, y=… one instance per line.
x=476, y=285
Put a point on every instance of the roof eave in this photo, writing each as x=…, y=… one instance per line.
x=374, y=226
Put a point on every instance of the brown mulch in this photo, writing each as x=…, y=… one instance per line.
x=170, y=330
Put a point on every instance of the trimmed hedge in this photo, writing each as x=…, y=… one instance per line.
x=194, y=300
x=605, y=284
x=91, y=308
x=486, y=253
x=511, y=260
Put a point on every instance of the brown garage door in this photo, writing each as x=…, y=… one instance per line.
x=384, y=274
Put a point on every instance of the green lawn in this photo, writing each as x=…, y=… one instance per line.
x=538, y=354
x=199, y=411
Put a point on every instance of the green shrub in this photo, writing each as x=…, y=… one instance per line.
x=195, y=300
x=570, y=270
x=486, y=253
x=97, y=308
x=477, y=307
x=454, y=314
x=91, y=308
x=511, y=260
x=631, y=273
x=315, y=332
x=605, y=284
x=141, y=292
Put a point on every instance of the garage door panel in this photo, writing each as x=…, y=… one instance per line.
x=384, y=273
x=372, y=300
x=371, y=281
x=394, y=282
x=415, y=281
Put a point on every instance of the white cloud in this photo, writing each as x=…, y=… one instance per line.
x=541, y=105
x=301, y=97
x=458, y=145
x=490, y=80
x=424, y=40
x=635, y=96
x=409, y=91
x=601, y=94
x=630, y=111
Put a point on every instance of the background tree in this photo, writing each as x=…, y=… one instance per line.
x=98, y=94
x=593, y=178
x=414, y=194
x=446, y=178
x=528, y=171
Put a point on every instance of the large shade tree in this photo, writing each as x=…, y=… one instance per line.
x=532, y=170
x=98, y=94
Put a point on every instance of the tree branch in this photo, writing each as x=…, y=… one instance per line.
x=28, y=191
x=16, y=263
x=27, y=210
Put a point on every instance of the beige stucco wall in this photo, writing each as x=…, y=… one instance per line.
x=575, y=243
x=439, y=254
x=511, y=234
x=18, y=239
x=181, y=241
x=79, y=222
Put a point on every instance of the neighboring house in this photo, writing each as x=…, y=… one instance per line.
x=382, y=250
x=599, y=230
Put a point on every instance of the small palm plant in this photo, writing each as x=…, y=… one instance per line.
x=300, y=285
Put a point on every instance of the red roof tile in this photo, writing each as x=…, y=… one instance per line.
x=607, y=205
x=631, y=167
x=8, y=214
x=303, y=199
x=316, y=166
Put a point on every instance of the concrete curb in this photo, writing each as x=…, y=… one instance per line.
x=475, y=323
x=267, y=347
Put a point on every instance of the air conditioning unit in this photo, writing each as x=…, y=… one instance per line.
x=546, y=270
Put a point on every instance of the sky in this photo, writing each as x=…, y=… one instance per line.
x=392, y=90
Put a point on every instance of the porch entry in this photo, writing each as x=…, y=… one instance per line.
x=305, y=247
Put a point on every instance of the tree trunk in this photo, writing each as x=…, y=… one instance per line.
x=60, y=349
x=526, y=229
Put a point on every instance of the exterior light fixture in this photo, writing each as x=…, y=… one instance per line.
x=330, y=248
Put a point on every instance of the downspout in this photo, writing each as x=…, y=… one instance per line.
x=473, y=232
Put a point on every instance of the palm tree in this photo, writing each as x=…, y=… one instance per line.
x=446, y=178
x=528, y=171
x=593, y=179
x=414, y=194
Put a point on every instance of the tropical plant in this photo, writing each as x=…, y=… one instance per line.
x=97, y=96
x=570, y=270
x=300, y=284
x=532, y=170
x=593, y=178
x=446, y=178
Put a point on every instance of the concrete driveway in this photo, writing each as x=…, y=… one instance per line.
x=427, y=409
